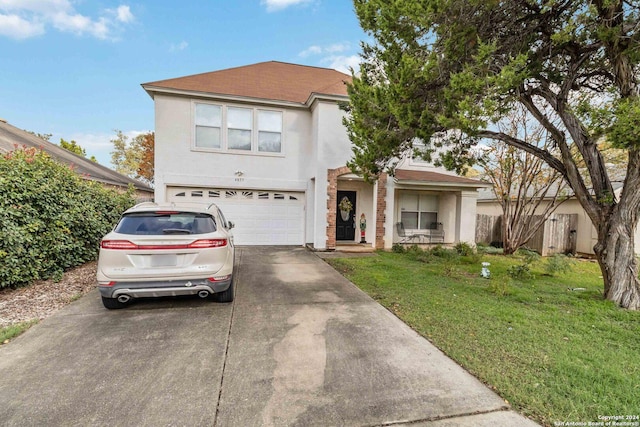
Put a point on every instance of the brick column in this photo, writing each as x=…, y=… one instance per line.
x=381, y=207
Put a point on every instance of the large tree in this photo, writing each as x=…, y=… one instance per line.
x=527, y=190
x=134, y=157
x=443, y=72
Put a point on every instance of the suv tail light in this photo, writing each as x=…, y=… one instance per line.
x=197, y=244
x=118, y=244
x=208, y=243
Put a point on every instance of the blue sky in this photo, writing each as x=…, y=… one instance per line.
x=73, y=68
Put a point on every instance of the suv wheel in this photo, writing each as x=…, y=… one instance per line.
x=225, y=296
x=113, y=303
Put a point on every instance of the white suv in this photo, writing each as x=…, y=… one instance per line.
x=166, y=250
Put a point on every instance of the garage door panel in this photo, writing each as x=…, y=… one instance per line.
x=261, y=217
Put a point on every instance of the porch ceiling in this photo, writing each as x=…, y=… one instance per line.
x=413, y=178
x=350, y=177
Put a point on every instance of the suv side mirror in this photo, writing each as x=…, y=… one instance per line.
x=231, y=224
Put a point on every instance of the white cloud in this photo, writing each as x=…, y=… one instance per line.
x=334, y=56
x=337, y=47
x=80, y=24
x=17, y=28
x=124, y=14
x=323, y=50
x=32, y=17
x=275, y=5
x=343, y=63
x=311, y=50
x=175, y=47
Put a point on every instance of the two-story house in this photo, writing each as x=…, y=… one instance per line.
x=266, y=143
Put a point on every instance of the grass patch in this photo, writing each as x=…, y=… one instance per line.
x=10, y=332
x=556, y=354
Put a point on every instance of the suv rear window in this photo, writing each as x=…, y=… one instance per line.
x=162, y=223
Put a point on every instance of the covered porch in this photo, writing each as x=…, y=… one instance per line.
x=429, y=208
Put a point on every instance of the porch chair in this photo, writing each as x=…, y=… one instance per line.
x=407, y=237
x=436, y=232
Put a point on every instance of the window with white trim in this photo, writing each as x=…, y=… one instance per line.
x=269, y=131
x=418, y=211
x=208, y=126
x=239, y=126
x=241, y=129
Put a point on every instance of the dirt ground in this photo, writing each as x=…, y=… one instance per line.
x=44, y=297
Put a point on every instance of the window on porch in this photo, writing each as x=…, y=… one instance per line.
x=418, y=211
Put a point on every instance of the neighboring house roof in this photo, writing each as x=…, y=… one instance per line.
x=11, y=138
x=487, y=194
x=274, y=81
x=404, y=176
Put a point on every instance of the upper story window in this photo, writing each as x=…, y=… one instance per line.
x=208, y=126
x=239, y=126
x=237, y=129
x=269, y=131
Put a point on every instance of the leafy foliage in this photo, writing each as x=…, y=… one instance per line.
x=134, y=157
x=523, y=271
x=557, y=264
x=73, y=146
x=441, y=75
x=50, y=218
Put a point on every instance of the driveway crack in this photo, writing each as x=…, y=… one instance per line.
x=228, y=339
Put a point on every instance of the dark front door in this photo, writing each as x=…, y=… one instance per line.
x=345, y=222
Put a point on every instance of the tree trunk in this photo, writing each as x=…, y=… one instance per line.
x=617, y=259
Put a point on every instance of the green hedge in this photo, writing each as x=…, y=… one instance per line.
x=50, y=218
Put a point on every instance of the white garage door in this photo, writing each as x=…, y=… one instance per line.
x=261, y=217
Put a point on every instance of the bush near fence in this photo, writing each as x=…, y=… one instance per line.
x=51, y=219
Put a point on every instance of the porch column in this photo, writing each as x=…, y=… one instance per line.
x=466, y=227
x=381, y=208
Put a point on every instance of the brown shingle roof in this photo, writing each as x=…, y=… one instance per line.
x=272, y=80
x=435, y=177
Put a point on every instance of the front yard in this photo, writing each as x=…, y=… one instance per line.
x=549, y=345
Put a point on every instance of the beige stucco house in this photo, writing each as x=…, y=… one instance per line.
x=266, y=143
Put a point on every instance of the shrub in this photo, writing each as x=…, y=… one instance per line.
x=500, y=287
x=50, y=218
x=520, y=271
x=464, y=249
x=523, y=271
x=398, y=248
x=442, y=252
x=557, y=263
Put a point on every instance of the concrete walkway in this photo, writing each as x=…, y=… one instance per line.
x=300, y=345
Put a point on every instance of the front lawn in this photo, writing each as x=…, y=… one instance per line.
x=556, y=353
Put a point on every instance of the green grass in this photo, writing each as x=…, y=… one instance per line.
x=10, y=332
x=555, y=354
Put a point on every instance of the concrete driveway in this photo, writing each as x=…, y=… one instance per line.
x=300, y=346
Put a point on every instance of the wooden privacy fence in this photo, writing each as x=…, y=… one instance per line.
x=557, y=235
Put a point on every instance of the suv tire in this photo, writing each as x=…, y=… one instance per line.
x=225, y=296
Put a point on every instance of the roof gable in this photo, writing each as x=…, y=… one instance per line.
x=276, y=81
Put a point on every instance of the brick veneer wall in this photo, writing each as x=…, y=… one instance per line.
x=381, y=207
x=332, y=193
